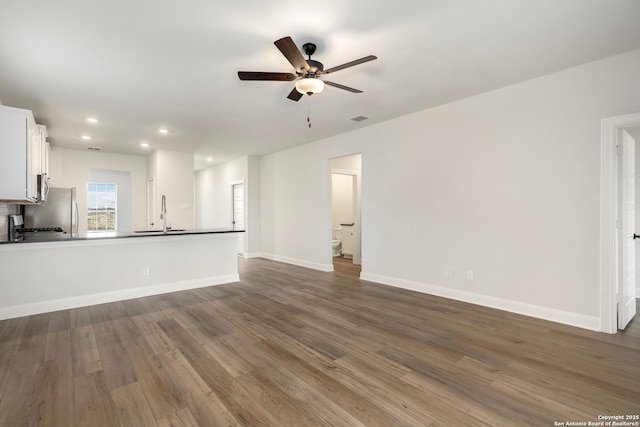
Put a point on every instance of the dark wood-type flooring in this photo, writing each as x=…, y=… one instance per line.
x=296, y=347
x=345, y=267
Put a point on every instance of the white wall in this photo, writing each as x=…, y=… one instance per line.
x=70, y=168
x=505, y=183
x=295, y=206
x=213, y=192
x=173, y=174
x=123, y=183
x=352, y=163
x=252, y=191
x=213, y=198
x=205, y=197
x=342, y=199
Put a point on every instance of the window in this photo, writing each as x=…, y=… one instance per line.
x=102, y=207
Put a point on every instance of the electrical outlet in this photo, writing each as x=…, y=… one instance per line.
x=448, y=272
x=145, y=271
x=469, y=274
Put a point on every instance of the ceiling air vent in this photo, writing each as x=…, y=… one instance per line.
x=93, y=149
x=359, y=118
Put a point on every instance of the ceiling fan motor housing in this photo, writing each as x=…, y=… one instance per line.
x=314, y=66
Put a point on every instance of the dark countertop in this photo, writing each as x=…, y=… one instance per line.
x=59, y=237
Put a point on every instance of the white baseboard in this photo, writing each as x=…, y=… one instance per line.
x=546, y=313
x=252, y=255
x=298, y=262
x=106, y=297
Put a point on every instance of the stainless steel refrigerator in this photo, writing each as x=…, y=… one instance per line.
x=57, y=218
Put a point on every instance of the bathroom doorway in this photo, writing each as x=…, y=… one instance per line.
x=346, y=231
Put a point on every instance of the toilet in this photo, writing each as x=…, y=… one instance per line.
x=336, y=243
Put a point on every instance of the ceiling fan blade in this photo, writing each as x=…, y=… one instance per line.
x=350, y=64
x=293, y=55
x=294, y=95
x=339, y=86
x=259, y=75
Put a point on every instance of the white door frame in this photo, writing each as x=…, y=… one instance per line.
x=242, y=236
x=609, y=177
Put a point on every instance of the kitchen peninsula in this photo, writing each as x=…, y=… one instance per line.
x=39, y=277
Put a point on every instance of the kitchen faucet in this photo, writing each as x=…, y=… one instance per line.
x=163, y=214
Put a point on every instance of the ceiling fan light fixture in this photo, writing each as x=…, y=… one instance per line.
x=309, y=86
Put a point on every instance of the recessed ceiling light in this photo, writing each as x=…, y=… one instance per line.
x=92, y=120
x=144, y=144
x=163, y=130
x=85, y=137
x=209, y=159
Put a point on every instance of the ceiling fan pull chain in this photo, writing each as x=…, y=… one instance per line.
x=309, y=114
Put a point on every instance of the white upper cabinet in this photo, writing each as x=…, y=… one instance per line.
x=22, y=157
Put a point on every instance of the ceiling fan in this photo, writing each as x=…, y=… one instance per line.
x=307, y=72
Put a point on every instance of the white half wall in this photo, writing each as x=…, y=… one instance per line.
x=78, y=273
x=505, y=184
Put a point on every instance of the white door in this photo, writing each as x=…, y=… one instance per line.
x=151, y=204
x=237, y=191
x=627, y=286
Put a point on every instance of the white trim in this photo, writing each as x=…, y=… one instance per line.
x=608, y=215
x=546, y=313
x=345, y=171
x=252, y=255
x=298, y=262
x=106, y=297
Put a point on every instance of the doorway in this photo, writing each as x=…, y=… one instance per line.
x=618, y=221
x=346, y=185
x=237, y=213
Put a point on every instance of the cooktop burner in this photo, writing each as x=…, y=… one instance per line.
x=41, y=229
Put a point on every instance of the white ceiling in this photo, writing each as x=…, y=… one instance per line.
x=144, y=64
